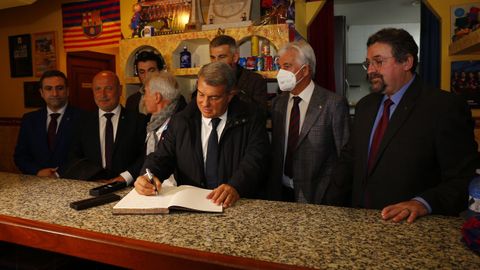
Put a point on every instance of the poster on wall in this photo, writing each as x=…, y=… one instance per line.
x=466, y=81
x=31, y=95
x=20, y=49
x=464, y=19
x=45, y=52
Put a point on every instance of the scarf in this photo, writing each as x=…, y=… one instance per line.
x=157, y=120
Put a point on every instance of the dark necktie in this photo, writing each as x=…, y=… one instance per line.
x=52, y=130
x=293, y=131
x=211, y=164
x=379, y=132
x=108, y=140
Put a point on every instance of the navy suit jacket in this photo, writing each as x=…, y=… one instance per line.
x=32, y=152
x=128, y=148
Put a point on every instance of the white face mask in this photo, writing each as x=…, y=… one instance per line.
x=287, y=80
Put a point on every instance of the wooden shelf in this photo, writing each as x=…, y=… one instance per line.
x=186, y=72
x=167, y=45
x=469, y=44
x=192, y=72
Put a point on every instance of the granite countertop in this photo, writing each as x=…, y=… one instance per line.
x=288, y=233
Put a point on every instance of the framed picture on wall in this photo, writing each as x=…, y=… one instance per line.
x=20, y=49
x=465, y=81
x=44, y=52
x=31, y=95
x=464, y=19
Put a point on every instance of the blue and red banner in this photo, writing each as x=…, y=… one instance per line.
x=90, y=24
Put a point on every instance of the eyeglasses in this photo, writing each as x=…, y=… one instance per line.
x=376, y=62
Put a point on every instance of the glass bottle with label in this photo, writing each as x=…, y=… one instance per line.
x=185, y=58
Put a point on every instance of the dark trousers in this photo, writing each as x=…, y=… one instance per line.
x=288, y=194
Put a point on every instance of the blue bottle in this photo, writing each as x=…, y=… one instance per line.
x=185, y=58
x=474, y=197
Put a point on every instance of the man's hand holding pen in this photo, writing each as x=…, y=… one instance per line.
x=148, y=184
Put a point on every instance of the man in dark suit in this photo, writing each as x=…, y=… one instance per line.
x=146, y=62
x=111, y=139
x=250, y=87
x=309, y=128
x=45, y=135
x=218, y=142
x=412, y=150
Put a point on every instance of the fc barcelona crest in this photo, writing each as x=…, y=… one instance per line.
x=92, y=23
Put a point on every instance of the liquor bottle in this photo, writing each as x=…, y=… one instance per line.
x=185, y=58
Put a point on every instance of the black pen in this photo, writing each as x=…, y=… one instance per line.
x=150, y=178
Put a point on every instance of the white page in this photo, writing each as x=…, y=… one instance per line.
x=195, y=198
x=133, y=200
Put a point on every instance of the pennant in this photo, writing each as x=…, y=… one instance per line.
x=91, y=24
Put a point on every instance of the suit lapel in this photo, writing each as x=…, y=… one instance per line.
x=315, y=108
x=121, y=131
x=401, y=114
x=94, y=132
x=42, y=127
x=281, y=110
x=62, y=127
x=195, y=127
x=366, y=125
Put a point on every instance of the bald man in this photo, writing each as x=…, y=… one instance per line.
x=110, y=143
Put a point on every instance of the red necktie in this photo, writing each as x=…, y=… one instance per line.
x=52, y=130
x=108, y=140
x=293, y=130
x=379, y=132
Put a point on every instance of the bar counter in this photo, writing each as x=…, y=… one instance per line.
x=254, y=234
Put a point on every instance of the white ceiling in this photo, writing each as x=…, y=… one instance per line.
x=371, y=12
x=15, y=3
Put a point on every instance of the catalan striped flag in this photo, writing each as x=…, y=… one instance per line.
x=91, y=24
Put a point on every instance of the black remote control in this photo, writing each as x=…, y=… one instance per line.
x=108, y=188
x=95, y=201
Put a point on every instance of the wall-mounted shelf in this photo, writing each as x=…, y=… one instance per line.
x=469, y=44
x=170, y=45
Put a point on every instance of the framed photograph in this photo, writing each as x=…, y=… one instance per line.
x=31, y=95
x=20, y=49
x=464, y=19
x=44, y=52
x=466, y=81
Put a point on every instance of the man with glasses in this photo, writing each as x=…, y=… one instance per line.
x=218, y=142
x=45, y=135
x=412, y=150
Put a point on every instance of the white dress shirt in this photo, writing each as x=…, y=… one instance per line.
x=207, y=128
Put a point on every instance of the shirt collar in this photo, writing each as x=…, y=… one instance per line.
x=60, y=111
x=399, y=94
x=223, y=117
x=306, y=94
x=116, y=111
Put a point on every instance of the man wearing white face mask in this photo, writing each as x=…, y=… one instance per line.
x=309, y=128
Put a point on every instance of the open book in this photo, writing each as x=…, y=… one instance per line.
x=183, y=197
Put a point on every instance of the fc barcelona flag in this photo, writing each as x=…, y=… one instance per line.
x=90, y=24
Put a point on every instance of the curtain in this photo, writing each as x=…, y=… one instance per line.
x=321, y=37
x=430, y=45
